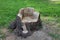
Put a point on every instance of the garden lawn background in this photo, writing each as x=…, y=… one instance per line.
x=10, y=8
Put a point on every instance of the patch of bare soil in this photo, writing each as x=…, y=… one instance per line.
x=37, y=35
x=11, y=37
x=3, y=30
x=49, y=26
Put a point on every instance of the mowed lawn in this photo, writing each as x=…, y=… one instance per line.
x=10, y=8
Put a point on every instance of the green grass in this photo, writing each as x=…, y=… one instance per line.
x=2, y=35
x=10, y=8
x=53, y=26
x=56, y=36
